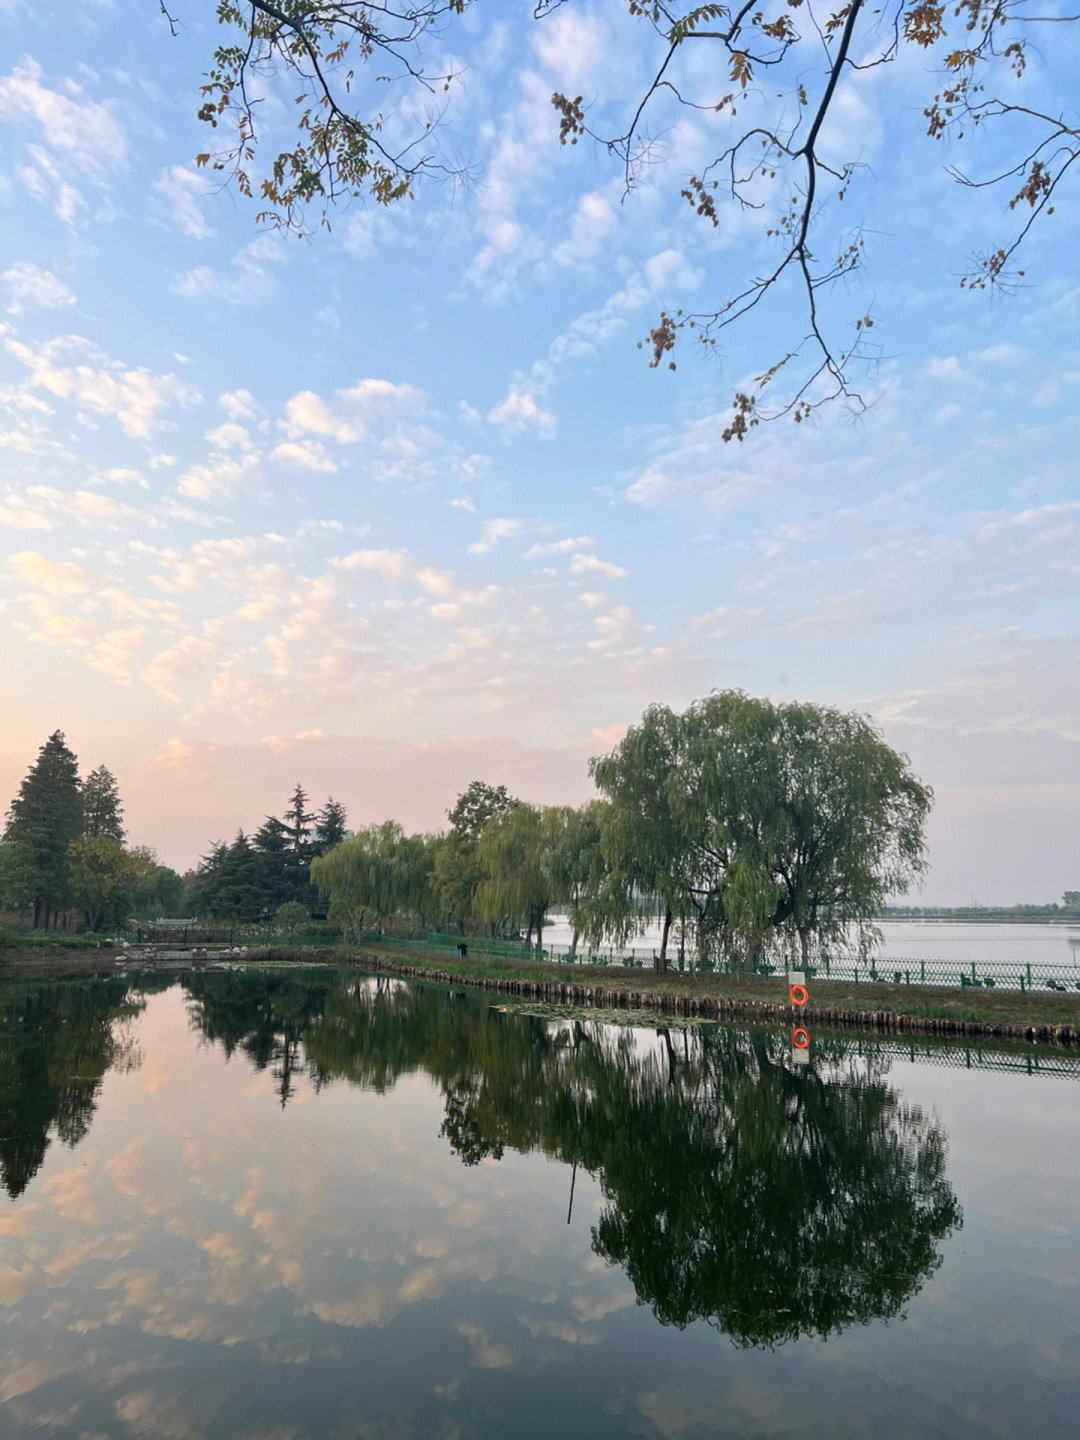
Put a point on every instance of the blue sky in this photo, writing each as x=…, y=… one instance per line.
x=400, y=505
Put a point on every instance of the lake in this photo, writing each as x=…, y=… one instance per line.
x=279, y=1204
x=945, y=948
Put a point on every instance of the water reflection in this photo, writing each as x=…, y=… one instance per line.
x=56, y=1043
x=769, y=1200
x=325, y=1206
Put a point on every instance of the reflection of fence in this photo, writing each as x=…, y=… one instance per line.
x=1031, y=1062
x=988, y=975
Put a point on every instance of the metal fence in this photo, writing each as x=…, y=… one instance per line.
x=989, y=975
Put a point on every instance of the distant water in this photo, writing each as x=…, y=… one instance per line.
x=1006, y=944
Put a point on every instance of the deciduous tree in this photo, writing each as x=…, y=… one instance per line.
x=761, y=820
x=762, y=97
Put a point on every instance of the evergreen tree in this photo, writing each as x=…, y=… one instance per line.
x=329, y=826
x=298, y=822
x=45, y=817
x=274, y=857
x=102, y=812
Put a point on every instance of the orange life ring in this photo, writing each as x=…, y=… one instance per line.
x=799, y=995
x=800, y=1038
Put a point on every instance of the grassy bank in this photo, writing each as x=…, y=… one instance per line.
x=1044, y=1017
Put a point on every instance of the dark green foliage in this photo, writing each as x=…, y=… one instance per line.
x=102, y=812
x=45, y=817
x=56, y=1043
x=458, y=869
x=329, y=827
x=762, y=823
x=764, y=1198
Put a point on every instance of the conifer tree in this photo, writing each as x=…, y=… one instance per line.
x=45, y=817
x=103, y=815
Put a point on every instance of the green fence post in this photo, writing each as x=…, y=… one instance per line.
x=922, y=971
x=1029, y=975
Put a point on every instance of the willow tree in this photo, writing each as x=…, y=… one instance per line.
x=375, y=874
x=458, y=869
x=653, y=848
x=574, y=863
x=517, y=887
x=762, y=820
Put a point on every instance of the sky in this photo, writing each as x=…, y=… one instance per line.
x=400, y=504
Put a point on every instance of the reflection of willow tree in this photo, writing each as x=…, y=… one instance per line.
x=769, y=1200
x=56, y=1043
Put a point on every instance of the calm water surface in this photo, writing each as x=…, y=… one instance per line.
x=312, y=1206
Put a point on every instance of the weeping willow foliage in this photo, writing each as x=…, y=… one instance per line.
x=377, y=873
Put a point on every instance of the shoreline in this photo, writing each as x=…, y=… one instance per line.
x=628, y=995
x=1038, y=1018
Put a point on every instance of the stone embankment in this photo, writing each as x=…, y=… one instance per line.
x=715, y=1007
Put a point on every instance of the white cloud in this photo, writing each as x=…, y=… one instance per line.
x=247, y=282
x=493, y=532
x=218, y=478
x=305, y=455
x=569, y=44
x=307, y=414
x=590, y=565
x=133, y=397
x=82, y=128
x=560, y=547
x=371, y=394
x=185, y=190
x=50, y=576
x=17, y=513
x=519, y=411
x=238, y=404
x=32, y=286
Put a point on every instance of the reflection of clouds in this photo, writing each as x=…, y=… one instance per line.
x=22, y=1379
x=676, y=1414
x=347, y=1237
x=143, y=1413
x=562, y=1330
x=485, y=1353
x=70, y=1196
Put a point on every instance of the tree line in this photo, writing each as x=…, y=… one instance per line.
x=747, y=825
x=64, y=851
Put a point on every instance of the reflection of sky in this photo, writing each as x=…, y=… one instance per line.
x=206, y=1264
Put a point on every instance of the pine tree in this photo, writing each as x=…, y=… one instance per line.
x=45, y=817
x=298, y=822
x=329, y=826
x=102, y=812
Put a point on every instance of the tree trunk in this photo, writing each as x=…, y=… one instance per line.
x=661, y=959
x=574, y=934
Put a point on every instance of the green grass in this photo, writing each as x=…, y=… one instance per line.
x=985, y=1007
